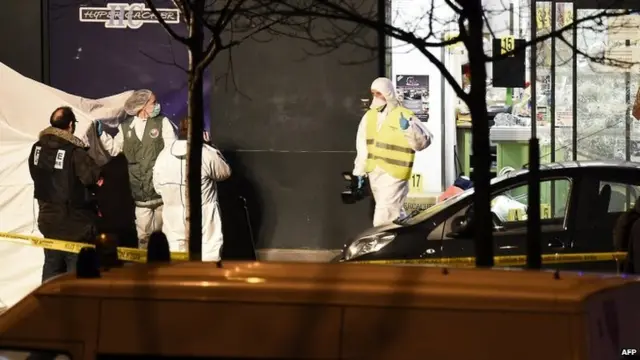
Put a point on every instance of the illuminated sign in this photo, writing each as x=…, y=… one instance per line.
x=123, y=15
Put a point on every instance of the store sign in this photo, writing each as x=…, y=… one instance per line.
x=543, y=18
x=413, y=90
x=509, y=71
x=123, y=15
x=507, y=45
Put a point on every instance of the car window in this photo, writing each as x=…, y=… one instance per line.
x=420, y=215
x=510, y=205
x=620, y=196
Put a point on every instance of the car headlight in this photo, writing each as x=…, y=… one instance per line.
x=368, y=244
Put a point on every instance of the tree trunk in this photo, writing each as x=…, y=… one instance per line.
x=481, y=163
x=195, y=116
x=194, y=167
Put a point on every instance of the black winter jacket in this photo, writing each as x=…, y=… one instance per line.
x=63, y=221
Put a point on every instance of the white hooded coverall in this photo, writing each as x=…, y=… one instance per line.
x=170, y=181
x=389, y=193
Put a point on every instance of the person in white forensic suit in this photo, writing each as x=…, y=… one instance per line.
x=388, y=137
x=141, y=137
x=170, y=181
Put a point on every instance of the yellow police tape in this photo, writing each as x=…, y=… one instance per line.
x=124, y=253
x=510, y=260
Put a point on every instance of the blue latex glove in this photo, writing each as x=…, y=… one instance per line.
x=360, y=182
x=99, y=128
x=404, y=123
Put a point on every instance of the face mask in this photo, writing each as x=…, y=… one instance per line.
x=156, y=110
x=377, y=103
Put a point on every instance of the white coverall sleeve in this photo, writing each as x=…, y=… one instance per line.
x=360, y=164
x=157, y=174
x=113, y=145
x=417, y=134
x=216, y=165
x=168, y=135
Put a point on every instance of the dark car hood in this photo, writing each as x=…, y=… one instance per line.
x=375, y=230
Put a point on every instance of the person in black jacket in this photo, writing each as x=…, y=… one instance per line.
x=63, y=174
x=626, y=237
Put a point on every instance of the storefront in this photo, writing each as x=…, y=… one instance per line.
x=581, y=96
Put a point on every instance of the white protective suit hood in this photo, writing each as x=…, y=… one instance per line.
x=179, y=148
x=385, y=87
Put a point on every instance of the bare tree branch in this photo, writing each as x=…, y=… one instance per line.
x=162, y=62
x=184, y=10
x=164, y=24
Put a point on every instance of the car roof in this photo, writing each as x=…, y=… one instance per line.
x=558, y=168
x=591, y=164
x=336, y=284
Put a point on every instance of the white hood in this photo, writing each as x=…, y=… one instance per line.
x=179, y=148
x=385, y=87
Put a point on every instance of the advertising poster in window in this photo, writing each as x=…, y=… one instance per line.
x=99, y=48
x=413, y=91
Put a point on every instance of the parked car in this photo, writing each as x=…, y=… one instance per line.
x=580, y=203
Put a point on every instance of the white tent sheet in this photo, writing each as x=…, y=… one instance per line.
x=25, y=108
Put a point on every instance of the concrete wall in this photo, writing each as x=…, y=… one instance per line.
x=288, y=126
x=20, y=37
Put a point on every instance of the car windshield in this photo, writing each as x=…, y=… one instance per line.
x=420, y=216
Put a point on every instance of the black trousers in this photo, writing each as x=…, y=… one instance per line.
x=58, y=262
x=60, y=221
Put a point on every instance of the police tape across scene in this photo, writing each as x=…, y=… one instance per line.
x=139, y=255
x=124, y=253
x=508, y=260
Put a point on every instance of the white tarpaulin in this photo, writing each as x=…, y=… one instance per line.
x=25, y=108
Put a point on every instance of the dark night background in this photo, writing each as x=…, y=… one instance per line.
x=288, y=129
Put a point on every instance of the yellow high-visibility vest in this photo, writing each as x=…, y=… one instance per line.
x=388, y=148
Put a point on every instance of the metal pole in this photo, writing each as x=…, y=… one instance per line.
x=509, y=99
x=382, y=39
x=443, y=148
x=574, y=86
x=534, y=241
x=552, y=102
x=532, y=71
x=627, y=127
x=627, y=98
x=534, y=257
